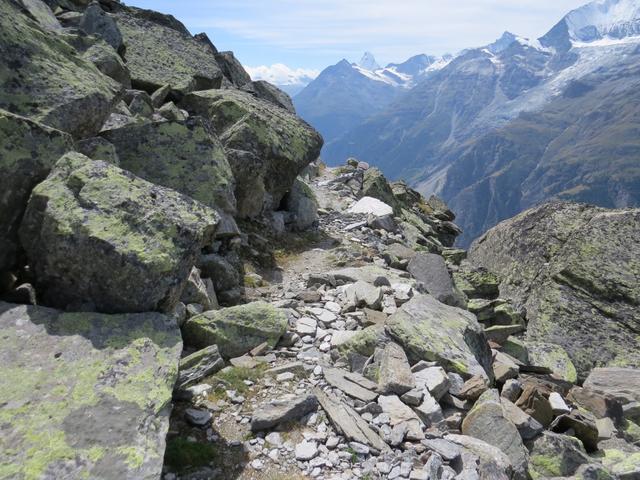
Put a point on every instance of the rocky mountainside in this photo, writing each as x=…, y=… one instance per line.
x=494, y=132
x=346, y=94
x=188, y=293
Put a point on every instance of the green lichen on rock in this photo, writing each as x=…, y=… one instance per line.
x=84, y=395
x=432, y=331
x=375, y=185
x=185, y=156
x=236, y=330
x=160, y=51
x=574, y=268
x=94, y=233
x=553, y=357
x=28, y=151
x=267, y=147
x=555, y=455
x=620, y=462
x=43, y=78
x=364, y=342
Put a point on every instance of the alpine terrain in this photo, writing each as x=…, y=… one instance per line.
x=504, y=127
x=187, y=292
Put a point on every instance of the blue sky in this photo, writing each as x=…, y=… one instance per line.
x=312, y=34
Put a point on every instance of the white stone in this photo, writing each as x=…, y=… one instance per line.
x=306, y=450
x=558, y=405
x=370, y=205
x=274, y=438
x=306, y=326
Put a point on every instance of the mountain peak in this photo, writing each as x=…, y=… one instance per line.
x=615, y=19
x=368, y=62
x=502, y=43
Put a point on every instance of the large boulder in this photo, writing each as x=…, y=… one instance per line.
x=302, y=205
x=432, y=331
x=85, y=395
x=574, y=269
x=96, y=234
x=161, y=51
x=375, y=185
x=28, y=151
x=487, y=421
x=267, y=147
x=185, y=156
x=431, y=272
x=97, y=21
x=236, y=330
x=42, y=77
x=555, y=455
x=232, y=69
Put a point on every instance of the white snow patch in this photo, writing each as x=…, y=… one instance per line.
x=281, y=74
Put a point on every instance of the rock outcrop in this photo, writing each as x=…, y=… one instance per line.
x=267, y=148
x=574, y=269
x=44, y=79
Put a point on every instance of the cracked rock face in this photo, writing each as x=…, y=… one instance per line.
x=574, y=268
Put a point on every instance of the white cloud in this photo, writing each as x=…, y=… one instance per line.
x=391, y=29
x=281, y=74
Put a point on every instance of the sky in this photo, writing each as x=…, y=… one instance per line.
x=280, y=38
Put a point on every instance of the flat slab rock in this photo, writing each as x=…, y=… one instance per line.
x=285, y=409
x=352, y=384
x=349, y=423
x=85, y=395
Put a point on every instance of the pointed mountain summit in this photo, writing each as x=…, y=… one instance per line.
x=368, y=62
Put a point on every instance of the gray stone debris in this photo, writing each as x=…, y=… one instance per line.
x=274, y=412
x=395, y=375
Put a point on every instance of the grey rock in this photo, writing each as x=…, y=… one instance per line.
x=198, y=365
x=400, y=413
x=29, y=150
x=621, y=383
x=220, y=270
x=449, y=451
x=270, y=93
x=528, y=426
x=199, y=291
x=430, y=270
x=349, y=423
x=97, y=21
x=285, y=409
x=553, y=454
x=352, y=384
x=197, y=417
x=493, y=462
x=434, y=379
x=90, y=380
x=429, y=411
x=394, y=375
x=363, y=294
x=232, y=69
x=306, y=451
x=94, y=233
x=302, y=204
x=430, y=330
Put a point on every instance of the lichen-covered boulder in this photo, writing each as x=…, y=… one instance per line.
x=28, y=151
x=432, y=331
x=302, y=204
x=97, y=21
x=375, y=185
x=574, y=269
x=96, y=234
x=85, y=395
x=160, y=51
x=236, y=330
x=183, y=155
x=42, y=77
x=267, y=147
x=555, y=455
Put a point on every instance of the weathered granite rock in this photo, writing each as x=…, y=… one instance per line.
x=434, y=379
x=430, y=271
x=582, y=427
x=232, y=69
x=185, y=156
x=198, y=365
x=487, y=422
x=96, y=234
x=430, y=330
x=352, y=384
x=197, y=290
x=85, y=395
x=554, y=455
x=28, y=151
x=528, y=426
x=621, y=383
x=534, y=402
x=400, y=413
x=301, y=203
x=398, y=256
x=42, y=14
x=285, y=409
x=375, y=185
x=363, y=294
x=267, y=147
x=575, y=272
x=62, y=91
x=97, y=21
x=236, y=330
x=160, y=51
x=105, y=58
x=394, y=375
x=348, y=422
x=493, y=462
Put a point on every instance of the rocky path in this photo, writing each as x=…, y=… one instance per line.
x=373, y=379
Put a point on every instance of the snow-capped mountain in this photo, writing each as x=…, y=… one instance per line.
x=345, y=94
x=291, y=80
x=504, y=126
